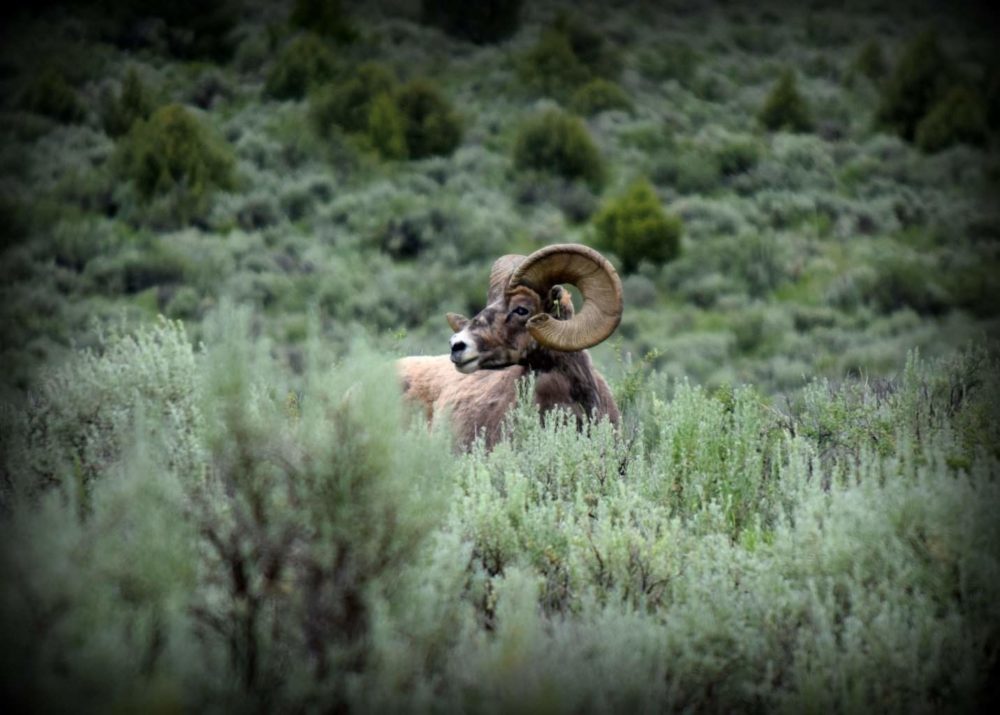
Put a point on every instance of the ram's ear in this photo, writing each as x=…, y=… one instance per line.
x=560, y=303
x=456, y=321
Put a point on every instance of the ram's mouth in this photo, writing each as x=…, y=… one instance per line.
x=466, y=366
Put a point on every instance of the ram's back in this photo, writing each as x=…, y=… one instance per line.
x=476, y=402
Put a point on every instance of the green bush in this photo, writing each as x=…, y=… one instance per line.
x=173, y=151
x=194, y=29
x=869, y=62
x=49, y=93
x=419, y=123
x=558, y=143
x=134, y=102
x=567, y=55
x=958, y=118
x=255, y=540
x=323, y=17
x=687, y=171
x=433, y=127
x=992, y=95
x=906, y=280
x=550, y=67
x=785, y=108
x=921, y=77
x=305, y=62
x=589, y=46
x=635, y=228
x=387, y=128
x=481, y=22
x=599, y=95
x=738, y=155
x=347, y=103
x=673, y=60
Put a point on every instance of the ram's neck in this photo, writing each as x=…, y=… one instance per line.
x=576, y=368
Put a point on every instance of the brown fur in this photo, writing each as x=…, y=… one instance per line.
x=478, y=401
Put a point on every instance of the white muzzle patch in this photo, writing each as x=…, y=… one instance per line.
x=464, y=354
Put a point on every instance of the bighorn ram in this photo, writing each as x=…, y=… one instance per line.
x=528, y=327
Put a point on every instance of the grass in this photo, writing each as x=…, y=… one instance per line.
x=799, y=512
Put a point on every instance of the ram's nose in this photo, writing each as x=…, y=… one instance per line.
x=463, y=355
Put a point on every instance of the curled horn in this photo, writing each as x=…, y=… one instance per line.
x=597, y=282
x=500, y=274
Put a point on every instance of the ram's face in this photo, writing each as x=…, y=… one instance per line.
x=498, y=337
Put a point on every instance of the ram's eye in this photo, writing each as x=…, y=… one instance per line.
x=520, y=310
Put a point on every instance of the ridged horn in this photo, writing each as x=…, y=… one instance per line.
x=597, y=282
x=500, y=274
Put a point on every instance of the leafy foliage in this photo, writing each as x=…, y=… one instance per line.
x=50, y=94
x=387, y=128
x=432, y=126
x=785, y=108
x=348, y=103
x=568, y=54
x=323, y=17
x=305, y=62
x=599, y=95
x=589, y=45
x=192, y=29
x=414, y=120
x=870, y=62
x=919, y=80
x=201, y=496
x=558, y=143
x=789, y=518
x=674, y=60
x=481, y=22
x=958, y=118
x=174, y=151
x=134, y=102
x=551, y=67
x=635, y=227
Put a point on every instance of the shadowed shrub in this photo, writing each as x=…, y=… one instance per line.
x=387, y=128
x=254, y=540
x=635, y=228
x=738, y=155
x=305, y=62
x=174, y=151
x=50, y=94
x=550, y=67
x=687, y=171
x=869, y=62
x=133, y=102
x=567, y=55
x=415, y=120
x=907, y=281
x=481, y=22
x=324, y=17
x=958, y=118
x=921, y=77
x=348, y=103
x=193, y=29
x=992, y=98
x=558, y=143
x=785, y=108
x=673, y=60
x=432, y=126
x=599, y=95
x=589, y=46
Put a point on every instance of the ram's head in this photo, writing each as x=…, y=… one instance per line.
x=529, y=312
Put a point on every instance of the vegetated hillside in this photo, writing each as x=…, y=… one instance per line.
x=800, y=510
x=143, y=171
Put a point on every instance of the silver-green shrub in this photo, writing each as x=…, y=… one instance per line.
x=196, y=528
